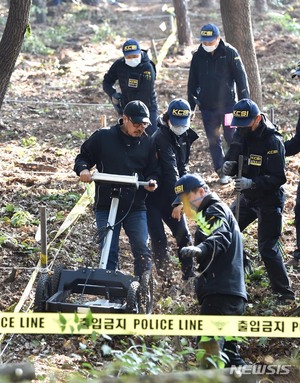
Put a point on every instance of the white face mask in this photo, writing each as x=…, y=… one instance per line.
x=299, y=85
x=133, y=62
x=209, y=48
x=178, y=130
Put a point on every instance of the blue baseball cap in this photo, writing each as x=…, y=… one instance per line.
x=296, y=72
x=244, y=112
x=186, y=184
x=131, y=47
x=209, y=32
x=179, y=112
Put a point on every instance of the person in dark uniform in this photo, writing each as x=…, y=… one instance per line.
x=173, y=140
x=135, y=74
x=123, y=149
x=218, y=248
x=292, y=147
x=216, y=69
x=262, y=194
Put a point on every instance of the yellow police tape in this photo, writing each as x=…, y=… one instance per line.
x=137, y=324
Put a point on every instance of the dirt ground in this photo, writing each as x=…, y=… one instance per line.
x=55, y=102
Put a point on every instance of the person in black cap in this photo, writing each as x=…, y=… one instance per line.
x=215, y=71
x=123, y=149
x=135, y=74
x=262, y=194
x=292, y=147
x=173, y=140
x=218, y=248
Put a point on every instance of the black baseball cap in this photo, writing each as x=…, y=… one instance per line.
x=137, y=111
x=244, y=112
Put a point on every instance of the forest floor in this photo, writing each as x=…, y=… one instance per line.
x=55, y=102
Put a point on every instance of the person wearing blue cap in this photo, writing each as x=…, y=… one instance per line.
x=173, y=140
x=135, y=74
x=218, y=249
x=216, y=70
x=262, y=195
x=292, y=147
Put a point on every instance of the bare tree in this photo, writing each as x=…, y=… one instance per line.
x=40, y=10
x=261, y=5
x=183, y=23
x=236, y=18
x=208, y=3
x=12, y=40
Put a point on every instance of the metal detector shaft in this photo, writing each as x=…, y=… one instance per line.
x=238, y=197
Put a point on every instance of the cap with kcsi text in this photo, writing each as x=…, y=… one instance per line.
x=186, y=184
x=179, y=112
x=244, y=112
x=137, y=111
x=131, y=47
x=209, y=32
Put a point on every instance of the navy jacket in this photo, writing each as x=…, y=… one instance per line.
x=173, y=154
x=212, y=78
x=292, y=146
x=264, y=163
x=112, y=151
x=221, y=261
x=135, y=83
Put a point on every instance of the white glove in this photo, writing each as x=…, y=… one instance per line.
x=116, y=98
x=229, y=167
x=243, y=183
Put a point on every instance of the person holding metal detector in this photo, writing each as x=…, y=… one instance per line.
x=173, y=140
x=123, y=149
x=136, y=75
x=260, y=187
x=218, y=248
x=292, y=147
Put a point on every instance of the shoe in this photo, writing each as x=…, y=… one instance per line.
x=295, y=262
x=224, y=180
x=285, y=300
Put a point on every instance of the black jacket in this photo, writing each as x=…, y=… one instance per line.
x=173, y=154
x=264, y=163
x=114, y=152
x=212, y=78
x=135, y=83
x=292, y=146
x=219, y=238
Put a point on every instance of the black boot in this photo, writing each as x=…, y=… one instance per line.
x=231, y=350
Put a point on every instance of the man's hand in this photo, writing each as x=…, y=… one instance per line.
x=177, y=212
x=243, y=183
x=152, y=186
x=116, y=98
x=190, y=251
x=85, y=176
x=229, y=168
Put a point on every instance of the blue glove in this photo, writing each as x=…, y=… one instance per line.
x=190, y=251
x=229, y=168
x=243, y=183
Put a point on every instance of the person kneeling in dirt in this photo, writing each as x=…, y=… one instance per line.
x=218, y=248
x=173, y=140
x=123, y=149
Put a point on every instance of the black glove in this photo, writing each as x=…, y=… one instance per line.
x=116, y=98
x=190, y=251
x=229, y=168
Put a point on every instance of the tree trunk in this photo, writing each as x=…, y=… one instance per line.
x=183, y=23
x=12, y=40
x=261, y=6
x=40, y=11
x=208, y=3
x=236, y=17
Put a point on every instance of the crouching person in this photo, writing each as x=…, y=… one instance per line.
x=220, y=287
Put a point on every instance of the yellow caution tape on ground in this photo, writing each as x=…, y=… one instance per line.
x=137, y=324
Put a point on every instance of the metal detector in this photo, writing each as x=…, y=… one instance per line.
x=99, y=290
